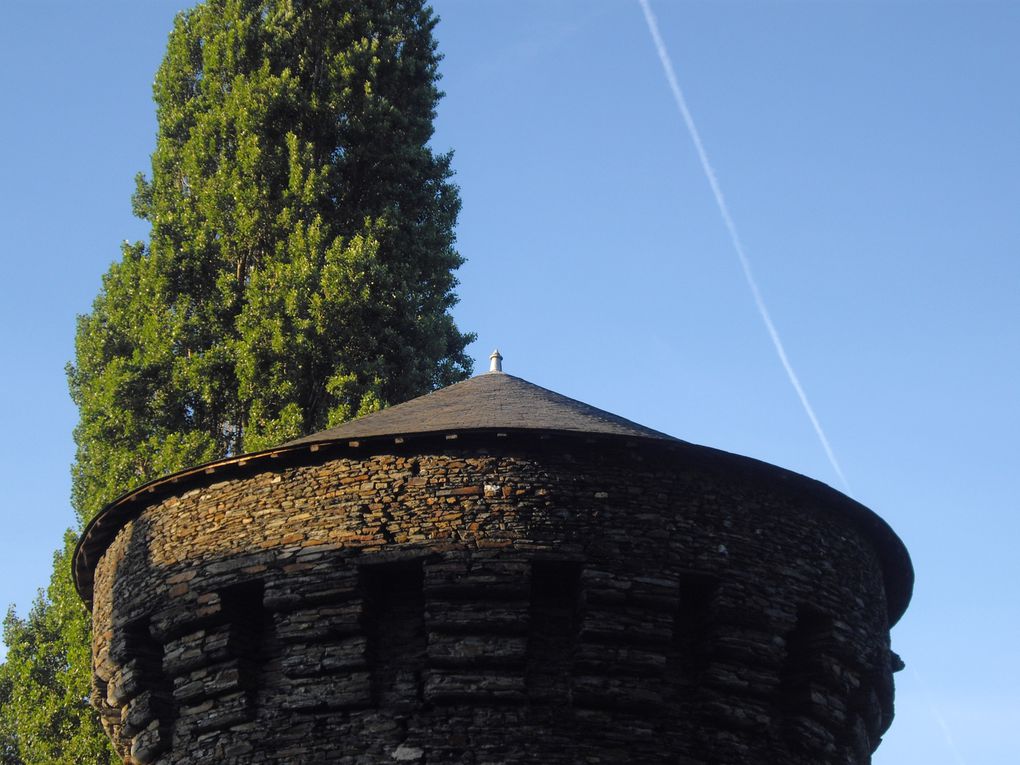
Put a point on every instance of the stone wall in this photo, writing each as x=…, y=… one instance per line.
x=555, y=603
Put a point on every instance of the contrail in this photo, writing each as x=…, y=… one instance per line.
x=724, y=211
x=939, y=719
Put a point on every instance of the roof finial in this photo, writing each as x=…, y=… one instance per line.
x=496, y=361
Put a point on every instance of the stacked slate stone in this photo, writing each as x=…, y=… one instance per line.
x=492, y=573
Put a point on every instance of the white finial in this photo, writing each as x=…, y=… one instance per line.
x=496, y=361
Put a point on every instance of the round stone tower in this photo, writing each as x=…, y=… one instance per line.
x=492, y=573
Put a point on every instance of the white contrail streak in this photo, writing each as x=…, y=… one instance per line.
x=724, y=211
x=939, y=719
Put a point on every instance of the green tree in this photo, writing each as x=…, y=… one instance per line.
x=300, y=264
x=299, y=271
x=45, y=681
x=10, y=750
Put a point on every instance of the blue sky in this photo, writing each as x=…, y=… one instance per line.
x=868, y=152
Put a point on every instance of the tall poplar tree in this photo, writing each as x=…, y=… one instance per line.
x=299, y=272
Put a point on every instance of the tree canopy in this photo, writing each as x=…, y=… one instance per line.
x=300, y=264
x=298, y=272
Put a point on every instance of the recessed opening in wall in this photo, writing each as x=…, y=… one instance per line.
x=802, y=680
x=149, y=712
x=693, y=626
x=871, y=704
x=251, y=631
x=222, y=662
x=552, y=628
x=242, y=608
x=394, y=624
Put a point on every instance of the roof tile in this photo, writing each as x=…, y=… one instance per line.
x=491, y=401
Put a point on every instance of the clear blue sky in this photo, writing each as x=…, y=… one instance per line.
x=869, y=152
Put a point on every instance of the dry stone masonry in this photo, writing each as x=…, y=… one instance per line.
x=492, y=574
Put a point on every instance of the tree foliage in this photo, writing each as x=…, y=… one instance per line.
x=10, y=749
x=299, y=271
x=45, y=681
x=300, y=265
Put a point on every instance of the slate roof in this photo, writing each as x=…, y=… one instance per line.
x=494, y=401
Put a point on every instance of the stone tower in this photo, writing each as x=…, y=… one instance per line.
x=492, y=573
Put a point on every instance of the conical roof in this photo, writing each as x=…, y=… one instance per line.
x=494, y=401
